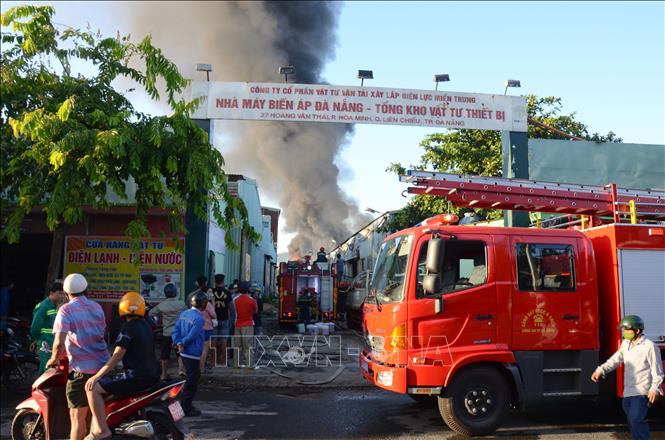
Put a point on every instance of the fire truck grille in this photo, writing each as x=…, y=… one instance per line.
x=374, y=343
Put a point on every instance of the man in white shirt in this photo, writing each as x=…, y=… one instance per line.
x=642, y=377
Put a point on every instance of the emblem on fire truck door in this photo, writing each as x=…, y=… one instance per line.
x=538, y=321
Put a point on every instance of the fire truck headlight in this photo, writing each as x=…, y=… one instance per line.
x=385, y=378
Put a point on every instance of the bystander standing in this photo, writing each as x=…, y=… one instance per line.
x=642, y=377
x=43, y=317
x=222, y=300
x=209, y=326
x=5, y=296
x=189, y=337
x=243, y=338
x=201, y=286
x=169, y=310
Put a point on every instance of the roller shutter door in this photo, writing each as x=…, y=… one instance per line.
x=642, y=280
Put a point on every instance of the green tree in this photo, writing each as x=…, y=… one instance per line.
x=69, y=140
x=478, y=152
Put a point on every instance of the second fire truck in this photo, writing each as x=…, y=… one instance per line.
x=298, y=276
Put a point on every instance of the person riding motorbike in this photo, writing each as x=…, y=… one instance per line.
x=135, y=347
x=78, y=329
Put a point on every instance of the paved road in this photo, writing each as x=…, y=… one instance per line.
x=378, y=414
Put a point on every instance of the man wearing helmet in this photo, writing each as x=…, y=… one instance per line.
x=188, y=335
x=321, y=256
x=135, y=348
x=643, y=374
x=79, y=329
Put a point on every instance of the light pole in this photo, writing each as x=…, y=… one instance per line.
x=514, y=148
x=365, y=74
x=286, y=71
x=441, y=77
x=512, y=83
x=207, y=68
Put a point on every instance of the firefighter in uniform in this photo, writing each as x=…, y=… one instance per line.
x=41, y=328
x=305, y=307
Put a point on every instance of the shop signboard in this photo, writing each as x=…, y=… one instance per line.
x=108, y=265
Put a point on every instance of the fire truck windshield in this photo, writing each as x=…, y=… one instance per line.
x=390, y=270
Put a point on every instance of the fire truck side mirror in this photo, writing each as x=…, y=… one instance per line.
x=432, y=284
x=433, y=264
x=435, y=251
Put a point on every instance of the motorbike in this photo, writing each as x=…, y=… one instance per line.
x=18, y=330
x=150, y=413
x=20, y=367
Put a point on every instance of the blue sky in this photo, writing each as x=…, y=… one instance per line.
x=605, y=59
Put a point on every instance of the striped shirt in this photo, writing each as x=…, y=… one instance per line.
x=83, y=321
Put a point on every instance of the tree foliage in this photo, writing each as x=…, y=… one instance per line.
x=478, y=152
x=69, y=140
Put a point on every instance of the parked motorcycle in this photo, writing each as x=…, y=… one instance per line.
x=20, y=367
x=19, y=330
x=151, y=413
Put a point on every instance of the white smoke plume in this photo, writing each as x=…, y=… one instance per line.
x=248, y=41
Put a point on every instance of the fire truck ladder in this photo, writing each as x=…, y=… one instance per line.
x=537, y=196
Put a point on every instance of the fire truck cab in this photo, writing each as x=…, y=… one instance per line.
x=490, y=317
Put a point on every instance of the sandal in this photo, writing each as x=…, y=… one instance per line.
x=92, y=437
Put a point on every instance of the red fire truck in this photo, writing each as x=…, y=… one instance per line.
x=297, y=276
x=486, y=318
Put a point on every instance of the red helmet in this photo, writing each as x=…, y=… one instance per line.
x=321, y=249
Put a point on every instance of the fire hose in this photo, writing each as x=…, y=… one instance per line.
x=316, y=382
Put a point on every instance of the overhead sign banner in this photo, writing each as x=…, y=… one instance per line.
x=107, y=264
x=359, y=105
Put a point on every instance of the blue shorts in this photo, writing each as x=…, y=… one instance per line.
x=223, y=328
x=126, y=383
x=208, y=334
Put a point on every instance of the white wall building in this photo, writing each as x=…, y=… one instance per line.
x=254, y=262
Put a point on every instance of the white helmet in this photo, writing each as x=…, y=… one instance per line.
x=74, y=283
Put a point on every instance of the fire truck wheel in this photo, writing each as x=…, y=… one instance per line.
x=476, y=402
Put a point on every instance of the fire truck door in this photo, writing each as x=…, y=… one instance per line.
x=546, y=297
x=467, y=315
